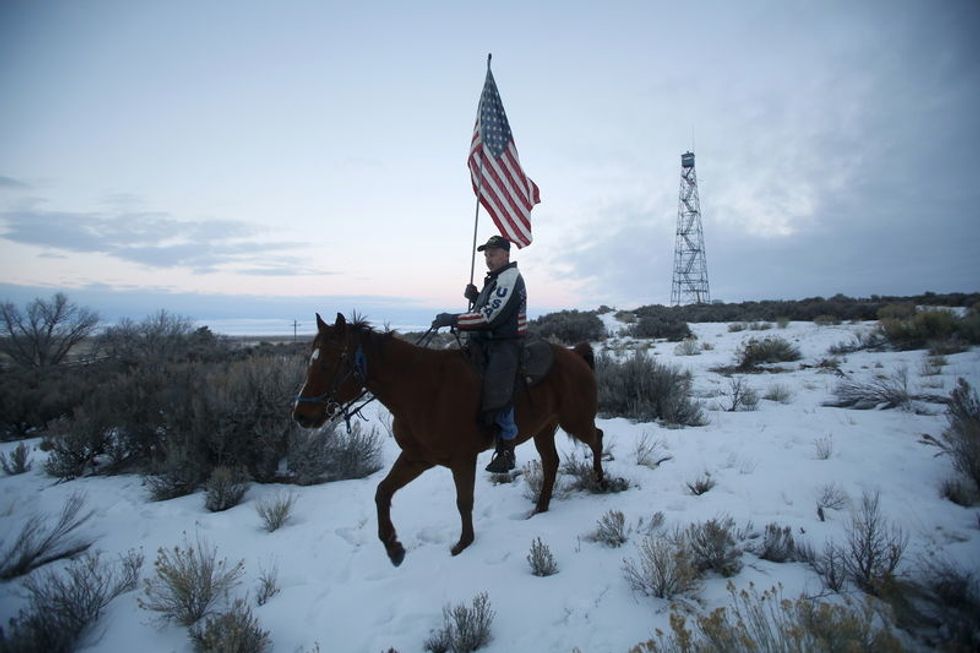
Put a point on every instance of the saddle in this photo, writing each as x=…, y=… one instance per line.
x=536, y=359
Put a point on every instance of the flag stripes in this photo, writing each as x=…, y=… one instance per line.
x=498, y=180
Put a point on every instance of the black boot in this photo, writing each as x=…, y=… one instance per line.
x=503, y=458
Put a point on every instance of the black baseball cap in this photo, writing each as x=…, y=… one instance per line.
x=495, y=241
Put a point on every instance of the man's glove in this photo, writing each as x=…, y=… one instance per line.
x=471, y=293
x=444, y=320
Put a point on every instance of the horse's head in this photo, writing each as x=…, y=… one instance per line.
x=335, y=375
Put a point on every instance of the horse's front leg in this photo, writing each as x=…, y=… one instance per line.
x=403, y=472
x=464, y=475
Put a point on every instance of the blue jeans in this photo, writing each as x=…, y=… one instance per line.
x=505, y=420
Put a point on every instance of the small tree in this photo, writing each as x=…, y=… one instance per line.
x=45, y=332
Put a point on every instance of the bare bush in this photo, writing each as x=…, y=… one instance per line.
x=225, y=488
x=874, y=547
x=920, y=329
x=832, y=496
x=949, y=599
x=768, y=622
x=181, y=472
x=778, y=545
x=688, y=347
x=62, y=607
x=19, y=461
x=741, y=396
x=188, y=582
x=268, y=585
x=578, y=474
x=275, y=511
x=702, y=484
x=888, y=392
x=650, y=452
x=961, y=439
x=664, y=569
x=37, y=544
x=329, y=454
x=655, y=326
x=235, y=630
x=779, y=393
x=824, y=447
x=830, y=564
x=865, y=341
x=464, y=628
x=712, y=546
x=757, y=351
x=932, y=365
x=611, y=529
x=643, y=389
x=541, y=560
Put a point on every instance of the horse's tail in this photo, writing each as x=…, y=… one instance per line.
x=584, y=350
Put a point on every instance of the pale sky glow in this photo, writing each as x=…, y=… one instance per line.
x=197, y=155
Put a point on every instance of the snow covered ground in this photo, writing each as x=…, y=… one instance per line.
x=339, y=591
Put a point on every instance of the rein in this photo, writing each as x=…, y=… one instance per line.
x=357, y=370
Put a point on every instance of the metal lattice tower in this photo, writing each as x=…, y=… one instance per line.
x=690, y=265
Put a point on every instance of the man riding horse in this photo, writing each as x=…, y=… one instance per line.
x=496, y=324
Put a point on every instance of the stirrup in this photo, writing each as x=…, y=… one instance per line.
x=503, y=460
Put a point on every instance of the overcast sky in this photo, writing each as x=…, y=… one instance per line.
x=269, y=159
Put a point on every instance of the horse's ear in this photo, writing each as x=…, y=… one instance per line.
x=341, y=322
x=320, y=324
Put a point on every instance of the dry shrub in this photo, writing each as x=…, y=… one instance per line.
x=464, y=628
x=268, y=585
x=640, y=388
x=702, y=484
x=19, y=461
x=39, y=543
x=188, y=582
x=611, y=529
x=887, y=392
x=225, y=488
x=578, y=475
x=768, y=622
x=757, y=351
x=921, y=329
x=275, y=511
x=62, y=607
x=331, y=454
x=664, y=568
x=713, y=547
x=235, y=630
x=741, y=396
x=961, y=439
x=650, y=452
x=778, y=545
x=874, y=546
x=541, y=560
x=779, y=393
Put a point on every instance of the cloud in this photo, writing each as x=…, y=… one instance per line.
x=114, y=303
x=151, y=239
x=12, y=184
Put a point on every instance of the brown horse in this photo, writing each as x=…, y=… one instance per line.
x=434, y=398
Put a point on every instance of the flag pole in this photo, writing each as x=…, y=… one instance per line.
x=479, y=186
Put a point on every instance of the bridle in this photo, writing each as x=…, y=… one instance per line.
x=357, y=369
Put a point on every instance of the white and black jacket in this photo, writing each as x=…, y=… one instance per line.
x=501, y=308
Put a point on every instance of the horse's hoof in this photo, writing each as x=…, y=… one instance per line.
x=456, y=550
x=396, y=553
x=537, y=511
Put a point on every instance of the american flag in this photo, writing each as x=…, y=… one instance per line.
x=495, y=170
